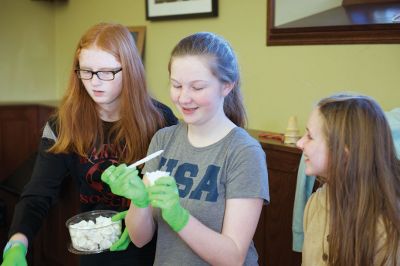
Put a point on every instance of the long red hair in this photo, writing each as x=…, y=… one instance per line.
x=80, y=128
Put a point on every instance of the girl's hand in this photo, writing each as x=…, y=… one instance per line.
x=126, y=182
x=164, y=195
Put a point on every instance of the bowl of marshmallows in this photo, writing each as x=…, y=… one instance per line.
x=93, y=231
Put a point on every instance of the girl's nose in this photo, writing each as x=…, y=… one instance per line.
x=184, y=96
x=95, y=80
x=300, y=143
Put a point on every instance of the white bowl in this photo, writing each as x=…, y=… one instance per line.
x=93, y=231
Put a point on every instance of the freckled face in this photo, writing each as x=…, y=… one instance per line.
x=104, y=93
x=314, y=146
x=196, y=92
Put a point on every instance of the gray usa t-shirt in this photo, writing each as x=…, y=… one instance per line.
x=234, y=167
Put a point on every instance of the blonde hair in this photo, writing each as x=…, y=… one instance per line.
x=363, y=180
x=79, y=125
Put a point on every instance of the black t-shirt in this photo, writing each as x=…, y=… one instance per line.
x=42, y=191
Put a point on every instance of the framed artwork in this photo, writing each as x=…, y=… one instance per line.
x=360, y=23
x=179, y=9
x=138, y=33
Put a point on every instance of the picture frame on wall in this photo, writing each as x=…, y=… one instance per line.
x=138, y=34
x=180, y=9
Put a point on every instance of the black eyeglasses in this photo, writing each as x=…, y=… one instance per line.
x=102, y=75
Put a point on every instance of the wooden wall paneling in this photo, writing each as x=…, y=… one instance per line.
x=273, y=237
x=18, y=136
x=10, y=199
x=259, y=239
x=43, y=112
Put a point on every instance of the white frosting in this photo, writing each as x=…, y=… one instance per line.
x=153, y=176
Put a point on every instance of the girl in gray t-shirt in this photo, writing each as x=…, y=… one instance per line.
x=207, y=210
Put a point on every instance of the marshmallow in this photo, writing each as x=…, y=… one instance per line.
x=95, y=236
x=153, y=176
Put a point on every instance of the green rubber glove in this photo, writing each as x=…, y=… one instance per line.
x=164, y=195
x=126, y=182
x=15, y=256
x=123, y=242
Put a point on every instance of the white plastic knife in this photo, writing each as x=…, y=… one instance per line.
x=145, y=159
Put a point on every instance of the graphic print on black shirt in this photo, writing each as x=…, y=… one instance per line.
x=95, y=193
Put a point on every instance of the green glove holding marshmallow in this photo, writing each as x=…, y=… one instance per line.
x=164, y=195
x=126, y=182
x=15, y=255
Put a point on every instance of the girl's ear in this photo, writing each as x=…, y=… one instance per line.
x=227, y=87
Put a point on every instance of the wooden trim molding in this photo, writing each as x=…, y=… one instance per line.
x=343, y=33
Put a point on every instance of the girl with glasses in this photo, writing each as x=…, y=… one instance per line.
x=106, y=117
